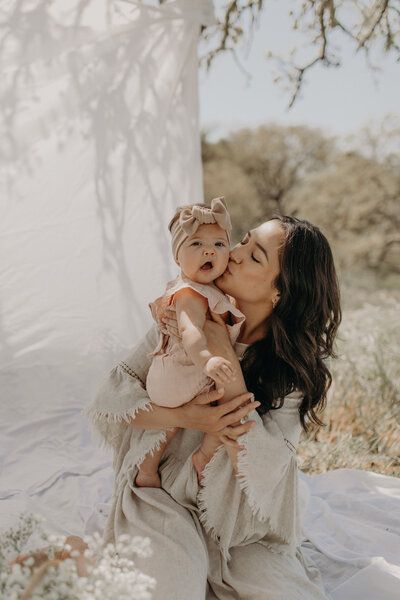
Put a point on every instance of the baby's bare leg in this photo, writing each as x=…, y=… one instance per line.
x=204, y=454
x=148, y=470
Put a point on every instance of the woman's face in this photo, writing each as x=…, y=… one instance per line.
x=254, y=265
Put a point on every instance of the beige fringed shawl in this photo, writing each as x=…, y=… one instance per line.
x=259, y=504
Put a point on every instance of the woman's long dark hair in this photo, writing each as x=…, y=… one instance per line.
x=302, y=327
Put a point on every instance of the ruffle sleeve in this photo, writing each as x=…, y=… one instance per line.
x=218, y=302
x=263, y=496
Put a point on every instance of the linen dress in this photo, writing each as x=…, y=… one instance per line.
x=236, y=537
x=173, y=379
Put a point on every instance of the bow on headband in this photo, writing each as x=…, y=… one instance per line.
x=191, y=218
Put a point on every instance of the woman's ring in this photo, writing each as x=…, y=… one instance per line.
x=244, y=419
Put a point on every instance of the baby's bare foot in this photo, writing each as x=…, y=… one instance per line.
x=148, y=479
x=200, y=460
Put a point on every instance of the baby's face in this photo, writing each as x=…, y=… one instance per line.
x=204, y=255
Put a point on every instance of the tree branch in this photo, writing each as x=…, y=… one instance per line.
x=318, y=20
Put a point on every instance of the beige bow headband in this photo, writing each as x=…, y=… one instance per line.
x=190, y=218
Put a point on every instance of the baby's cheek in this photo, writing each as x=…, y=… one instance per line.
x=225, y=255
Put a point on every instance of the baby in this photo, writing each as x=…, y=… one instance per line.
x=183, y=368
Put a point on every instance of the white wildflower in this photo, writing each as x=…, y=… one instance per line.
x=110, y=569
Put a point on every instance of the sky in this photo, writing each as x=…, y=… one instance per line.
x=340, y=101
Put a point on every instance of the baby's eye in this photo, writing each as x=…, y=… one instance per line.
x=244, y=240
x=195, y=243
x=222, y=244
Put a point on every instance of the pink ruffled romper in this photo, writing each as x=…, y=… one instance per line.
x=173, y=379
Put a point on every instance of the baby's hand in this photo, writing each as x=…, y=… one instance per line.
x=219, y=369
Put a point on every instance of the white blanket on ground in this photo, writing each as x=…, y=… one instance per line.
x=50, y=466
x=353, y=523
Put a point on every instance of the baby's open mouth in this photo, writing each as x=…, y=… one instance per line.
x=207, y=266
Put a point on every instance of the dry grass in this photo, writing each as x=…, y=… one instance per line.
x=362, y=416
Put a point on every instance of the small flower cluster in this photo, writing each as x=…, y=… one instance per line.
x=89, y=570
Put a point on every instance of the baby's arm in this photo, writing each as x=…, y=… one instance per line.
x=191, y=310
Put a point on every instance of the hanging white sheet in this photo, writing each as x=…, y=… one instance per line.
x=99, y=142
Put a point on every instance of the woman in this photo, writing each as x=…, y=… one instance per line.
x=237, y=536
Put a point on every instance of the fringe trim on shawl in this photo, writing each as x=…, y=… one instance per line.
x=243, y=468
x=136, y=462
x=152, y=448
x=99, y=419
x=209, y=473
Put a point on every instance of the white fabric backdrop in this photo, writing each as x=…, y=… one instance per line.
x=99, y=142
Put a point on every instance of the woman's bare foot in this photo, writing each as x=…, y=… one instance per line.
x=200, y=460
x=148, y=479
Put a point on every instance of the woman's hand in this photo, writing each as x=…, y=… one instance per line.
x=196, y=414
x=222, y=420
